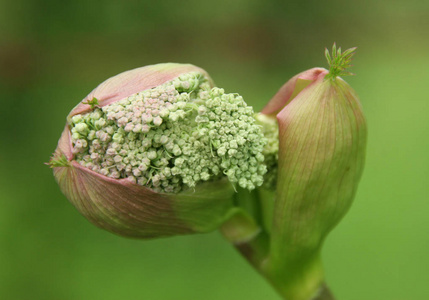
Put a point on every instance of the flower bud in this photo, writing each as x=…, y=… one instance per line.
x=153, y=152
x=322, y=139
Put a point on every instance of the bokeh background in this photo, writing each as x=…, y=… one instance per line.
x=52, y=53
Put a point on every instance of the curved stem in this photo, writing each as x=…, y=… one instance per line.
x=297, y=281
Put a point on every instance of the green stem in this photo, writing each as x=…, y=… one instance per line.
x=292, y=282
x=266, y=200
x=294, y=275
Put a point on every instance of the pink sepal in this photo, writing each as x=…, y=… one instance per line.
x=283, y=96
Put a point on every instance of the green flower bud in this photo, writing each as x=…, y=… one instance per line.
x=322, y=139
x=136, y=158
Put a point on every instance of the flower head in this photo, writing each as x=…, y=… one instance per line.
x=159, y=132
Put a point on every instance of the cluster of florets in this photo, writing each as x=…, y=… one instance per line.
x=270, y=129
x=173, y=136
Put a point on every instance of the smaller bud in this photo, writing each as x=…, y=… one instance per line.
x=322, y=140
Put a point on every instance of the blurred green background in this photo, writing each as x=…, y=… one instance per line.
x=52, y=53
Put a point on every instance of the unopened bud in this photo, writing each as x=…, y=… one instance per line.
x=322, y=140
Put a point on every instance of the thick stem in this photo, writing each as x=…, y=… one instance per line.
x=299, y=279
x=323, y=293
x=295, y=277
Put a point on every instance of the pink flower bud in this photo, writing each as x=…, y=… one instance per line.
x=322, y=139
x=134, y=157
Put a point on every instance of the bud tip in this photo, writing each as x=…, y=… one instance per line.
x=339, y=61
x=58, y=161
x=93, y=103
